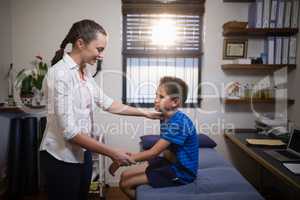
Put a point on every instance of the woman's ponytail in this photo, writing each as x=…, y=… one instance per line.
x=60, y=52
x=58, y=56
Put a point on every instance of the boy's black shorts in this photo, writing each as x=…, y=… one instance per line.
x=160, y=173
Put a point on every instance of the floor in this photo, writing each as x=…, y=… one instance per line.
x=112, y=193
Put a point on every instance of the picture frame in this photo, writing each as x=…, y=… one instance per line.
x=235, y=48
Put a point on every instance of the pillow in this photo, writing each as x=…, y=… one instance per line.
x=147, y=141
x=205, y=141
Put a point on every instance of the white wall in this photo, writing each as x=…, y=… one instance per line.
x=40, y=25
x=294, y=81
x=5, y=47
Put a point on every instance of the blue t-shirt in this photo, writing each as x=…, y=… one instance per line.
x=180, y=131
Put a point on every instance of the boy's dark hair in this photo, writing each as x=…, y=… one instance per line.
x=85, y=29
x=175, y=87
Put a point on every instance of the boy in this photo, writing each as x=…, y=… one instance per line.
x=178, y=134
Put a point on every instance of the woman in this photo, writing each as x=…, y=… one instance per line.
x=72, y=94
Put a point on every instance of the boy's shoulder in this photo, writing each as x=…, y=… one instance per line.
x=180, y=117
x=182, y=121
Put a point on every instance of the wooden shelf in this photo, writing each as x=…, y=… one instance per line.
x=238, y=1
x=256, y=101
x=26, y=109
x=260, y=32
x=255, y=67
x=11, y=109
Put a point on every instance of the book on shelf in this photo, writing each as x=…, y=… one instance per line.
x=287, y=14
x=266, y=13
x=255, y=14
x=295, y=14
x=270, y=49
x=278, y=50
x=292, y=50
x=273, y=15
x=280, y=14
x=285, y=50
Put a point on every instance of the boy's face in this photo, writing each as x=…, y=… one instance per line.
x=163, y=102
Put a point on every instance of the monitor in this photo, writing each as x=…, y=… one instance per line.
x=294, y=143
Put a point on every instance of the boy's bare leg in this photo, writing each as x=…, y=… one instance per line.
x=129, y=185
x=134, y=170
x=128, y=174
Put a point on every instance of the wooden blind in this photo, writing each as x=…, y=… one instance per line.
x=161, y=6
x=145, y=62
x=138, y=34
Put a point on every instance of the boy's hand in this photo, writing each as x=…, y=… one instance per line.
x=113, y=168
x=122, y=158
x=128, y=153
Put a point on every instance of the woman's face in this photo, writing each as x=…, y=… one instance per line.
x=93, y=51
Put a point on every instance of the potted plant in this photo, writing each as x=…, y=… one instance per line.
x=30, y=81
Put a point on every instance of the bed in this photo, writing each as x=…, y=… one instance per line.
x=216, y=180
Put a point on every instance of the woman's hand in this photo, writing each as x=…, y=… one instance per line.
x=115, y=166
x=153, y=114
x=122, y=158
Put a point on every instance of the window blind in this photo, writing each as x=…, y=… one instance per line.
x=146, y=61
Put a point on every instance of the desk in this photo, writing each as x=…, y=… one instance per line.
x=267, y=174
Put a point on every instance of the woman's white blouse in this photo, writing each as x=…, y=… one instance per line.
x=70, y=105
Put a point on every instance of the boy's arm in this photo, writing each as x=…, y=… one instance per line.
x=160, y=146
x=157, y=149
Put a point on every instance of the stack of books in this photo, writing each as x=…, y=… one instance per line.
x=273, y=14
x=276, y=14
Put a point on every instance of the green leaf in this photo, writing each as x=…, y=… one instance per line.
x=20, y=73
x=27, y=85
x=46, y=66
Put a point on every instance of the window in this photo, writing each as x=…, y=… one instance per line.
x=161, y=39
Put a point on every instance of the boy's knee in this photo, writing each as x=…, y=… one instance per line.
x=124, y=175
x=123, y=184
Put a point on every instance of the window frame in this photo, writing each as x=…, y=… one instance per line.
x=183, y=7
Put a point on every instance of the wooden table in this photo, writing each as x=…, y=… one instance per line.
x=267, y=174
x=26, y=109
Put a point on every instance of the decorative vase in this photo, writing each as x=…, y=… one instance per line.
x=27, y=99
x=37, y=97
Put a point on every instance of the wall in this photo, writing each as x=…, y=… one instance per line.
x=39, y=27
x=5, y=59
x=5, y=48
x=294, y=82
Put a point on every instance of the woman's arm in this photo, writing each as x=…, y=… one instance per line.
x=108, y=104
x=92, y=145
x=157, y=149
x=121, y=109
